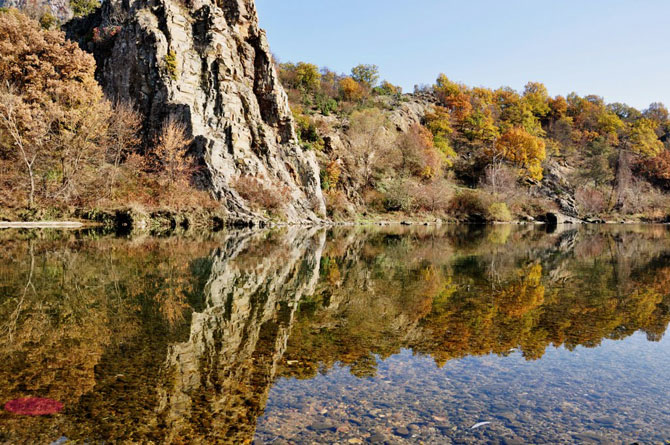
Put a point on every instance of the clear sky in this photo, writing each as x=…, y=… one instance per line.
x=618, y=49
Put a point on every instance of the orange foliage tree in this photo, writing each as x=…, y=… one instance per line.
x=52, y=112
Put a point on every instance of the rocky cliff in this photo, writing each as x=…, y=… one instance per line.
x=207, y=63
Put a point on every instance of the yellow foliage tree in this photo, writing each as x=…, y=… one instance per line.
x=438, y=122
x=351, y=90
x=642, y=139
x=522, y=149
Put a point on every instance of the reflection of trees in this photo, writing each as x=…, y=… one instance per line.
x=176, y=341
x=65, y=306
x=525, y=292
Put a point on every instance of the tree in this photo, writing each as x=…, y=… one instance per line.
x=388, y=89
x=307, y=76
x=366, y=75
x=417, y=153
x=522, y=149
x=351, y=90
x=598, y=166
x=52, y=113
x=438, y=122
x=537, y=97
x=641, y=138
x=170, y=159
x=369, y=142
x=657, y=169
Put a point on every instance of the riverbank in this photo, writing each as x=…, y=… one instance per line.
x=127, y=221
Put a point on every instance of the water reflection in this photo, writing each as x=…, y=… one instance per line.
x=182, y=341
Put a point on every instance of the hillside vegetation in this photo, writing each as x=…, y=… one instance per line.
x=478, y=153
x=447, y=150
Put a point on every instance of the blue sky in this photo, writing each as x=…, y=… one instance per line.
x=618, y=49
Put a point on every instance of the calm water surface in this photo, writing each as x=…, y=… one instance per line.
x=504, y=334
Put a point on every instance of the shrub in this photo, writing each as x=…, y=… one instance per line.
x=399, y=194
x=53, y=121
x=330, y=177
x=433, y=196
x=105, y=34
x=500, y=179
x=499, y=212
x=337, y=203
x=171, y=64
x=82, y=8
x=351, y=90
x=388, y=89
x=326, y=105
x=590, y=200
x=259, y=195
x=48, y=21
x=468, y=205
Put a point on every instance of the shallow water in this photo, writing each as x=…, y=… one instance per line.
x=404, y=335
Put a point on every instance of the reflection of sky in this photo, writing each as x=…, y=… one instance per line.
x=617, y=392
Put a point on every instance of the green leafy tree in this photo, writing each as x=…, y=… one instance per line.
x=81, y=8
x=367, y=75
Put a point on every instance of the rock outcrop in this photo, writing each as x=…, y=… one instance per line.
x=207, y=63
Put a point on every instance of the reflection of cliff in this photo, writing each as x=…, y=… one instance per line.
x=217, y=381
x=450, y=293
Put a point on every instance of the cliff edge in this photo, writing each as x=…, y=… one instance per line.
x=207, y=64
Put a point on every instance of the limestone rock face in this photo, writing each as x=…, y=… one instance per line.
x=208, y=64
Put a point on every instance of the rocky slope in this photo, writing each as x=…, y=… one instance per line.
x=207, y=63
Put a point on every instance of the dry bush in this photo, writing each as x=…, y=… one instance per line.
x=418, y=155
x=400, y=194
x=433, y=196
x=374, y=200
x=468, y=204
x=499, y=212
x=259, y=195
x=590, y=200
x=337, y=203
x=643, y=199
x=370, y=148
x=500, y=179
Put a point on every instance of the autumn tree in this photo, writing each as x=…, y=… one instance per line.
x=439, y=124
x=536, y=96
x=52, y=113
x=170, y=160
x=641, y=138
x=369, y=143
x=521, y=149
x=351, y=90
x=656, y=169
x=418, y=156
x=307, y=76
